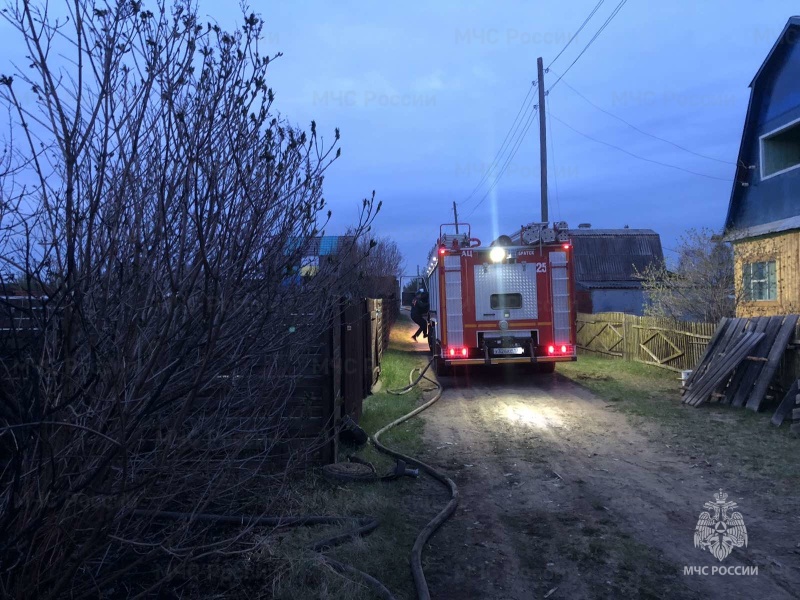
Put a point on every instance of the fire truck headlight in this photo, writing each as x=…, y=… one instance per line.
x=497, y=254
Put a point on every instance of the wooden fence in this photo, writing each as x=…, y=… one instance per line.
x=665, y=343
x=346, y=365
x=339, y=369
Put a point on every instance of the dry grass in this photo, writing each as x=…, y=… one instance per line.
x=741, y=443
x=383, y=554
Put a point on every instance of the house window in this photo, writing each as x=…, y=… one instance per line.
x=759, y=281
x=780, y=150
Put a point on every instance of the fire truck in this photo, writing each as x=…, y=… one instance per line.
x=512, y=301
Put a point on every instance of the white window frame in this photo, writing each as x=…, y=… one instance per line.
x=761, y=150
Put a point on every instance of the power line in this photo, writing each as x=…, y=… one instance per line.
x=591, y=14
x=618, y=118
x=650, y=160
x=594, y=37
x=508, y=160
x=553, y=154
x=514, y=128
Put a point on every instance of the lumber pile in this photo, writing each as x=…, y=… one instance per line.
x=740, y=361
x=789, y=407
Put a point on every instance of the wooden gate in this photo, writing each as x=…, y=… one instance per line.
x=602, y=333
x=666, y=343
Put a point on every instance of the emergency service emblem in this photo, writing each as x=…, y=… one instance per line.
x=720, y=532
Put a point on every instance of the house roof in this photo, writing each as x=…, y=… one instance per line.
x=613, y=257
x=765, y=229
x=791, y=23
x=733, y=231
x=324, y=245
x=609, y=285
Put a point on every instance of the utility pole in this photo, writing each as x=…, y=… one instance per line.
x=455, y=214
x=542, y=140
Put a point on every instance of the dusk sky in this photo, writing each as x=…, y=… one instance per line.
x=425, y=96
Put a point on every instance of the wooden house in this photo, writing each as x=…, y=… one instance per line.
x=763, y=221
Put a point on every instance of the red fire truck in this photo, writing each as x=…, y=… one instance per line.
x=509, y=302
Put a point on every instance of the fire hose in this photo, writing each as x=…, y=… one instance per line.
x=362, y=526
x=427, y=532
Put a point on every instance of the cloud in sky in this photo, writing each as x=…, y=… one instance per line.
x=425, y=95
x=433, y=92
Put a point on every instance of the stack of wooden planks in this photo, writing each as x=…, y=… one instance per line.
x=740, y=361
x=789, y=406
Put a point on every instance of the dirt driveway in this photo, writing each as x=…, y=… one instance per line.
x=562, y=498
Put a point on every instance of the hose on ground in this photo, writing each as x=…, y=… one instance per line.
x=362, y=526
x=427, y=532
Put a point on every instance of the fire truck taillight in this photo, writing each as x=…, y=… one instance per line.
x=458, y=352
x=564, y=349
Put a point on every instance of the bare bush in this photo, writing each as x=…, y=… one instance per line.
x=700, y=287
x=162, y=210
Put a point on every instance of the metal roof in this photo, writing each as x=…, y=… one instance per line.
x=611, y=232
x=609, y=285
x=613, y=256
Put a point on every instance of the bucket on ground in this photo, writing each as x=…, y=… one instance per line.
x=685, y=376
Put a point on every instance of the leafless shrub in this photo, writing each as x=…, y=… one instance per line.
x=700, y=287
x=161, y=209
x=376, y=263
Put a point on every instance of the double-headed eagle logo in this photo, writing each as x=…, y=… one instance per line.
x=721, y=533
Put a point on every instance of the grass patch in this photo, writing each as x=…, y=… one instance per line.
x=738, y=441
x=382, y=407
x=384, y=553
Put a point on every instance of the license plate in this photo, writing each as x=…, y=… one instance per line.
x=507, y=351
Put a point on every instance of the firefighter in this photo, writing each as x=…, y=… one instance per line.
x=419, y=308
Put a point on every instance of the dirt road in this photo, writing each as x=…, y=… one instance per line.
x=562, y=498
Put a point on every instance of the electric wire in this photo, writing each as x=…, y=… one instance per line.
x=509, y=158
x=642, y=131
x=637, y=156
x=553, y=154
x=591, y=41
x=591, y=14
x=514, y=128
x=515, y=125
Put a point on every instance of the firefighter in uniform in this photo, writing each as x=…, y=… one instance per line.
x=419, y=308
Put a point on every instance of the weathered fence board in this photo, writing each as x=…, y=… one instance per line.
x=665, y=343
x=335, y=372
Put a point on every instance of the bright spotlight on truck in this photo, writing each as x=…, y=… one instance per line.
x=497, y=254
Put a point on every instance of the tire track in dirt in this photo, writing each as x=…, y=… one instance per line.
x=559, y=492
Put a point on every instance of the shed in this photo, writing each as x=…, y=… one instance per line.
x=607, y=265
